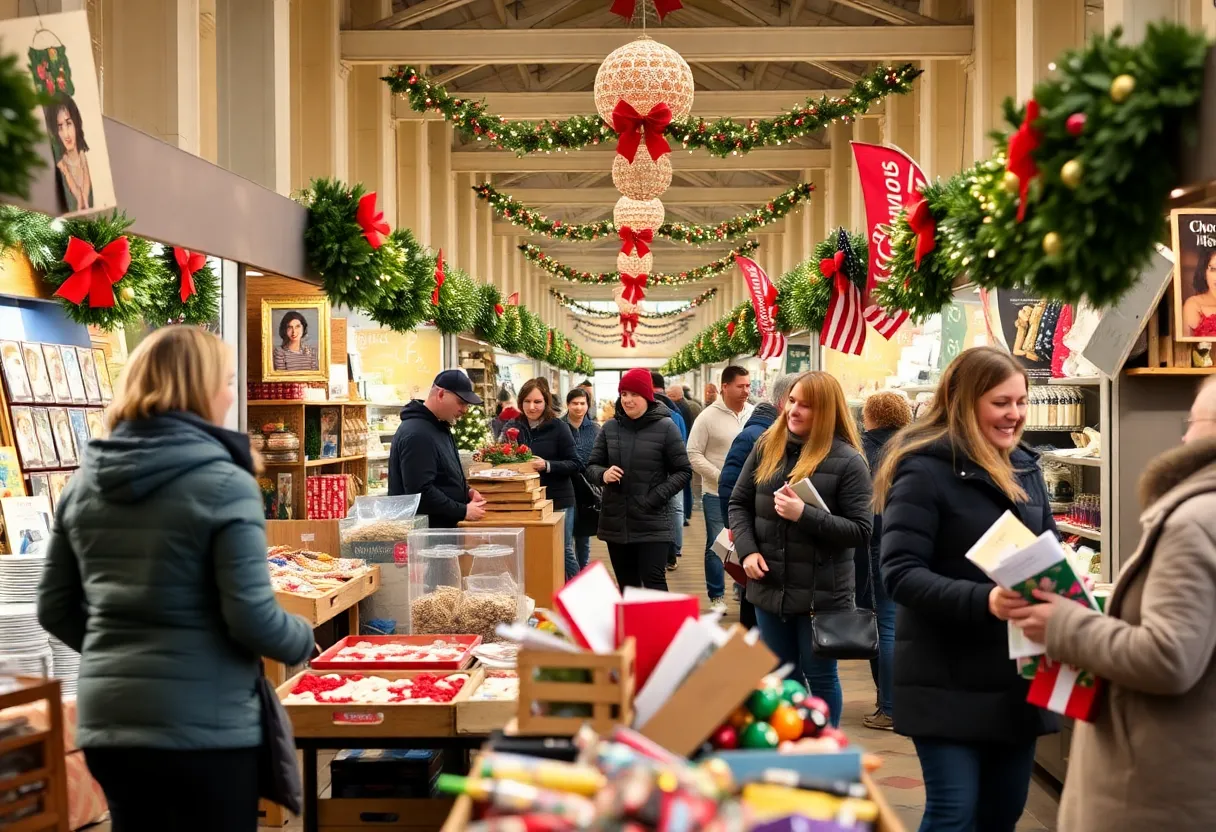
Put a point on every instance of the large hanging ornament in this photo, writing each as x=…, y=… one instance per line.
x=632, y=264
x=644, y=73
x=638, y=214
x=645, y=178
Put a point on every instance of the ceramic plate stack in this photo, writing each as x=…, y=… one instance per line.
x=65, y=666
x=19, y=576
x=24, y=646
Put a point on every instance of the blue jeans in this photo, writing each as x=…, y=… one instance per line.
x=883, y=667
x=582, y=551
x=688, y=501
x=676, y=505
x=974, y=787
x=572, y=566
x=790, y=639
x=715, y=575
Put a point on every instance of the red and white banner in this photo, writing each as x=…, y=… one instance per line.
x=844, y=326
x=764, y=300
x=1064, y=689
x=890, y=180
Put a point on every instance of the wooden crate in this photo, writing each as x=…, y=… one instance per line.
x=518, y=467
x=514, y=500
x=537, y=512
x=321, y=608
x=51, y=800
x=609, y=693
x=401, y=720
x=485, y=717
x=349, y=814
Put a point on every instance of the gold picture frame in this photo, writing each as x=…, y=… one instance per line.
x=310, y=360
x=1194, y=241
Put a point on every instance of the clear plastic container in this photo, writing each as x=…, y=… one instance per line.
x=465, y=581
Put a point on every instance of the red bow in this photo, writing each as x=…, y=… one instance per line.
x=375, y=229
x=730, y=329
x=498, y=309
x=188, y=262
x=94, y=272
x=625, y=8
x=633, y=127
x=635, y=287
x=639, y=239
x=629, y=323
x=438, y=279
x=920, y=220
x=834, y=266
x=1022, y=146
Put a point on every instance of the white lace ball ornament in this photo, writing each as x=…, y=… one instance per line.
x=632, y=264
x=645, y=178
x=638, y=213
x=643, y=73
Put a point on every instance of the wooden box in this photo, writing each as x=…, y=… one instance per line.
x=485, y=716
x=518, y=467
x=321, y=608
x=609, y=693
x=398, y=814
x=379, y=720
x=500, y=512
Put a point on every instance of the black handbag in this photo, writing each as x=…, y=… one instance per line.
x=587, y=498
x=278, y=768
x=844, y=634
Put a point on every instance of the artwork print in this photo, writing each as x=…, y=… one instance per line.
x=46, y=437
x=27, y=437
x=71, y=366
x=103, y=375
x=58, y=376
x=1194, y=239
x=88, y=370
x=65, y=442
x=35, y=368
x=80, y=429
x=15, y=377
x=97, y=426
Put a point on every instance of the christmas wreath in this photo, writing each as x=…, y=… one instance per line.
x=407, y=303
x=192, y=291
x=490, y=323
x=459, y=300
x=345, y=238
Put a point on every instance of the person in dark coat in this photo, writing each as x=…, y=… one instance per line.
x=424, y=460
x=554, y=455
x=798, y=557
x=585, y=431
x=944, y=481
x=679, y=515
x=640, y=461
x=761, y=420
x=156, y=574
x=883, y=415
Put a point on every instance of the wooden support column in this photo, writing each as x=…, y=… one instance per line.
x=371, y=141
x=839, y=174
x=484, y=238
x=995, y=71
x=818, y=207
x=901, y=122
x=942, y=102
x=1135, y=15
x=413, y=179
x=1045, y=28
x=866, y=129
x=443, y=186
x=318, y=93
x=465, y=253
x=208, y=86
x=502, y=265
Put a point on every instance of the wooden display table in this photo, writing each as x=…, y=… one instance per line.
x=544, y=553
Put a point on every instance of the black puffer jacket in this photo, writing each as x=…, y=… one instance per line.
x=423, y=460
x=553, y=442
x=651, y=453
x=813, y=556
x=954, y=679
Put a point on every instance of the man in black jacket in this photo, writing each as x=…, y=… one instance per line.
x=424, y=459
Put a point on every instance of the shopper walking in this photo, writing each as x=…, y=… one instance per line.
x=424, y=460
x=708, y=444
x=676, y=393
x=640, y=462
x=586, y=497
x=944, y=481
x=156, y=574
x=587, y=385
x=883, y=414
x=762, y=419
x=693, y=404
x=1145, y=762
x=711, y=395
x=554, y=456
x=677, y=502
x=798, y=557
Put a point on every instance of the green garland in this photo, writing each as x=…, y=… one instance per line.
x=203, y=307
x=36, y=234
x=524, y=216
x=711, y=269
x=138, y=290
x=21, y=131
x=723, y=137
x=490, y=323
x=353, y=273
x=459, y=302
x=405, y=305
x=591, y=312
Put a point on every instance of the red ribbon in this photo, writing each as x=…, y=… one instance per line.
x=730, y=329
x=1022, y=146
x=438, y=279
x=920, y=220
x=626, y=8
x=498, y=309
x=188, y=262
x=635, y=287
x=94, y=272
x=639, y=239
x=833, y=265
x=629, y=323
x=375, y=229
x=633, y=127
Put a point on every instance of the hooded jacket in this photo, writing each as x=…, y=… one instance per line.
x=156, y=573
x=651, y=453
x=1147, y=760
x=424, y=460
x=762, y=419
x=553, y=442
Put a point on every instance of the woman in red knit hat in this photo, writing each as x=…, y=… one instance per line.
x=640, y=461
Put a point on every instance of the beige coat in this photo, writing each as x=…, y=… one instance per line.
x=710, y=439
x=1148, y=761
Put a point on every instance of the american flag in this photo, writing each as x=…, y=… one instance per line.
x=844, y=327
x=883, y=321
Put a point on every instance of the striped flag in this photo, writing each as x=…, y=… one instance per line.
x=844, y=326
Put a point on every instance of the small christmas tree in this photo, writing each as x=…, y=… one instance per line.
x=472, y=430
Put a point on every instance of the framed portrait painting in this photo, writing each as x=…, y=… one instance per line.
x=1194, y=238
x=295, y=339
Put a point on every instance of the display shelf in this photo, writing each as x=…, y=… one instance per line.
x=1170, y=371
x=52, y=798
x=1082, y=531
x=318, y=609
x=333, y=460
x=1079, y=381
x=1083, y=461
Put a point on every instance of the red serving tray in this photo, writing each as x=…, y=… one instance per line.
x=326, y=661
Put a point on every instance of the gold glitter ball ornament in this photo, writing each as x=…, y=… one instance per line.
x=645, y=178
x=638, y=214
x=1053, y=243
x=1010, y=182
x=1070, y=173
x=632, y=264
x=1121, y=88
x=643, y=73
x=127, y=293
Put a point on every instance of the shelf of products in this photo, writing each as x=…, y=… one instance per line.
x=1080, y=381
x=1081, y=531
x=1170, y=371
x=1082, y=461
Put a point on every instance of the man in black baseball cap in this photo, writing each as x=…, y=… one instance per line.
x=424, y=459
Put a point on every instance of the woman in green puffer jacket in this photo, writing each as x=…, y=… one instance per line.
x=156, y=573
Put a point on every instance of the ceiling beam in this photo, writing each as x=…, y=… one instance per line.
x=725, y=77
x=489, y=161
x=457, y=72
x=838, y=72
x=536, y=106
x=888, y=12
x=731, y=44
x=609, y=196
x=500, y=11
x=416, y=14
x=561, y=77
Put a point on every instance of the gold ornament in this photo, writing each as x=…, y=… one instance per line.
x=127, y=293
x=1121, y=88
x=1070, y=174
x=632, y=264
x=645, y=178
x=643, y=73
x=1052, y=243
x=638, y=214
x=1011, y=182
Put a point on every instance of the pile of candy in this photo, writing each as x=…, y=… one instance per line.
x=780, y=714
x=309, y=573
x=333, y=689
x=437, y=651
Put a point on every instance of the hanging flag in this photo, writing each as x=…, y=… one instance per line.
x=844, y=326
x=438, y=279
x=890, y=181
x=764, y=300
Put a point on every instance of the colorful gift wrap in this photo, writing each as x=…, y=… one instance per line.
x=1064, y=689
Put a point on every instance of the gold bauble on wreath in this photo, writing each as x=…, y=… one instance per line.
x=127, y=294
x=632, y=264
x=643, y=73
x=1053, y=243
x=645, y=178
x=1122, y=87
x=1070, y=173
x=638, y=214
x=1010, y=182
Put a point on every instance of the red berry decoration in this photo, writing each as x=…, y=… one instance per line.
x=725, y=738
x=1075, y=125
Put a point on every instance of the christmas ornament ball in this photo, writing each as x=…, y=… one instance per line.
x=1052, y=243
x=741, y=718
x=817, y=704
x=644, y=73
x=787, y=722
x=1075, y=125
x=759, y=735
x=1070, y=173
x=127, y=294
x=1010, y=182
x=726, y=737
x=813, y=721
x=793, y=692
x=763, y=702
x=1121, y=88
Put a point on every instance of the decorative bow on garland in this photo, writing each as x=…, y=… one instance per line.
x=633, y=127
x=844, y=327
x=631, y=239
x=94, y=273
x=635, y=287
x=920, y=220
x=438, y=279
x=626, y=8
x=375, y=229
x=629, y=324
x=188, y=262
x=1022, y=146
